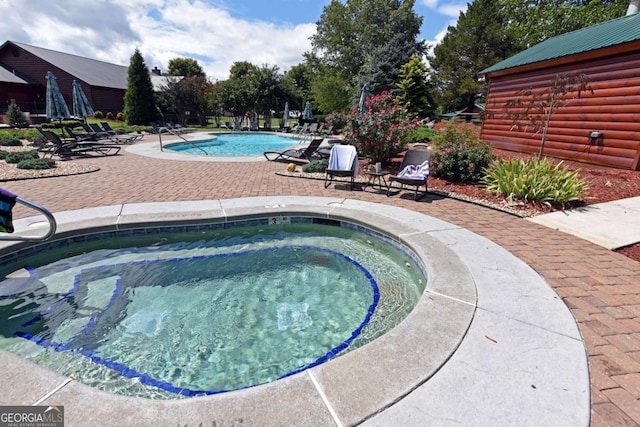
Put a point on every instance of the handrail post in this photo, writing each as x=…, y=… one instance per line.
x=48, y=215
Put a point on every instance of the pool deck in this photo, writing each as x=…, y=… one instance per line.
x=515, y=365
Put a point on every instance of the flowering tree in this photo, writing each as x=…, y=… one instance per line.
x=380, y=131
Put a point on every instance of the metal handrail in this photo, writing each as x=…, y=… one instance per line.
x=160, y=129
x=46, y=213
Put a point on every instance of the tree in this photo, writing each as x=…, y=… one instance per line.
x=15, y=117
x=533, y=108
x=297, y=85
x=331, y=90
x=382, y=69
x=251, y=89
x=139, y=102
x=480, y=39
x=269, y=90
x=357, y=40
x=414, y=91
x=534, y=21
x=187, y=98
x=185, y=67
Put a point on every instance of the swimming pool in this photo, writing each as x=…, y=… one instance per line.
x=235, y=144
x=169, y=312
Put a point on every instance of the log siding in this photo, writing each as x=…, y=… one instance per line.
x=612, y=109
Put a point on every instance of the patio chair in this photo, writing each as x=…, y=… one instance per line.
x=305, y=153
x=95, y=133
x=302, y=130
x=312, y=129
x=414, y=172
x=107, y=128
x=295, y=128
x=65, y=148
x=101, y=134
x=343, y=162
x=328, y=130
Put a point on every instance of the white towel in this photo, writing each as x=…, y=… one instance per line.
x=415, y=171
x=342, y=158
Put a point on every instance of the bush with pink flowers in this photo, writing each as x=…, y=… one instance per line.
x=381, y=130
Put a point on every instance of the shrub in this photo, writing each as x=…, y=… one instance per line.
x=110, y=116
x=380, y=131
x=36, y=164
x=98, y=115
x=316, y=166
x=15, y=117
x=459, y=155
x=120, y=116
x=535, y=180
x=337, y=120
x=18, y=156
x=8, y=140
x=421, y=134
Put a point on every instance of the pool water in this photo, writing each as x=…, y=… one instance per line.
x=236, y=144
x=183, y=314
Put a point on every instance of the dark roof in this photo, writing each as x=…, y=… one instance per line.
x=91, y=71
x=611, y=33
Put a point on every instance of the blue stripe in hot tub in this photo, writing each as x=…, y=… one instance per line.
x=163, y=273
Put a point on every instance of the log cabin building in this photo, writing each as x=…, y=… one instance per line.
x=600, y=127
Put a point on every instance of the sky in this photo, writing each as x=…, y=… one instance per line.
x=216, y=33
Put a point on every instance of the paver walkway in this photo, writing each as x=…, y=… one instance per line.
x=601, y=288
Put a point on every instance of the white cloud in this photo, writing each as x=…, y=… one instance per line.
x=161, y=29
x=430, y=3
x=452, y=10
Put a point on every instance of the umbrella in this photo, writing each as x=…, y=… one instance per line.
x=56, y=105
x=81, y=106
x=363, y=97
x=286, y=111
x=307, y=114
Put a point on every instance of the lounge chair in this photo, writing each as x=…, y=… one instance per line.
x=295, y=128
x=65, y=149
x=313, y=128
x=95, y=131
x=107, y=128
x=302, y=130
x=228, y=125
x=343, y=162
x=328, y=130
x=305, y=153
x=414, y=172
x=175, y=128
x=101, y=134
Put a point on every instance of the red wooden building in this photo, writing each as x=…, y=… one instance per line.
x=600, y=127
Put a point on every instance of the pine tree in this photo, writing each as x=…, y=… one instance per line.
x=414, y=88
x=480, y=39
x=15, y=117
x=139, y=102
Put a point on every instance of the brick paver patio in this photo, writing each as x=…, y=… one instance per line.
x=601, y=288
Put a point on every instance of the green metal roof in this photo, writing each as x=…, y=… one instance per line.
x=618, y=31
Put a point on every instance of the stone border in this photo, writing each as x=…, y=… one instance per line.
x=489, y=342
